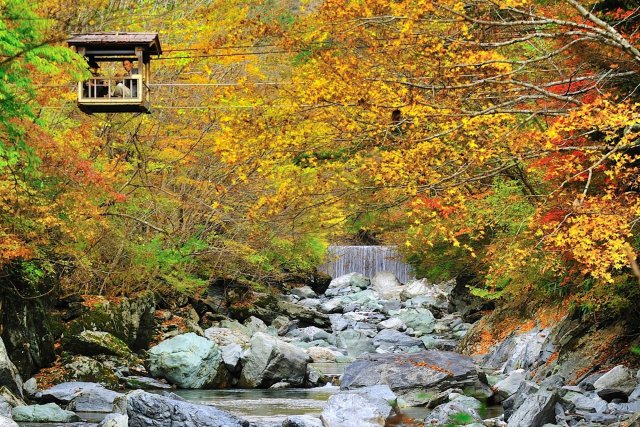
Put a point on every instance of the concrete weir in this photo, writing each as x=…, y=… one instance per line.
x=367, y=260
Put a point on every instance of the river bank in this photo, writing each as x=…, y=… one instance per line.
x=396, y=343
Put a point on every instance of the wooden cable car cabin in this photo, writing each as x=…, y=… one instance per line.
x=128, y=90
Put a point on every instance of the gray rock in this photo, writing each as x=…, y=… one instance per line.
x=303, y=292
x=302, y=421
x=536, y=410
x=30, y=387
x=115, y=420
x=253, y=324
x=618, y=378
x=9, y=398
x=283, y=324
x=366, y=407
x=152, y=410
x=584, y=403
x=9, y=376
x=339, y=322
x=343, y=284
x=387, y=285
x=458, y=404
x=354, y=342
x=334, y=305
x=310, y=302
x=97, y=399
x=310, y=333
x=421, y=320
x=635, y=394
x=362, y=300
x=322, y=355
x=8, y=422
x=509, y=385
x=87, y=369
x=135, y=382
x=426, y=294
x=392, y=323
x=188, y=361
x=624, y=408
x=5, y=408
x=64, y=393
x=514, y=401
x=518, y=351
x=49, y=413
x=434, y=342
x=239, y=334
x=390, y=340
x=414, y=377
x=271, y=360
x=231, y=355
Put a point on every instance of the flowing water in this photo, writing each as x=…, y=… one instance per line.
x=367, y=260
x=264, y=407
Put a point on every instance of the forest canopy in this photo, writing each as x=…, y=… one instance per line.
x=494, y=139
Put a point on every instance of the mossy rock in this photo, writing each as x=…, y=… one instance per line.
x=130, y=320
x=87, y=369
x=91, y=343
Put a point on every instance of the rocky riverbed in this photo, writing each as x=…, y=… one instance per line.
x=396, y=343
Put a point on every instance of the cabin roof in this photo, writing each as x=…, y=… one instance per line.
x=109, y=40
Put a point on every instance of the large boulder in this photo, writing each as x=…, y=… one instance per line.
x=354, y=342
x=87, y=369
x=188, y=361
x=421, y=320
x=619, y=378
x=91, y=343
x=365, y=407
x=457, y=406
x=303, y=292
x=49, y=413
x=346, y=283
x=310, y=333
x=9, y=376
x=366, y=300
x=536, y=410
x=152, y=410
x=510, y=384
x=27, y=332
x=129, y=319
x=387, y=285
x=414, y=377
x=97, y=399
x=64, y=393
x=271, y=360
x=390, y=340
x=226, y=336
x=434, y=295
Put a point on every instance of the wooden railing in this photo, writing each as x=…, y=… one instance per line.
x=117, y=90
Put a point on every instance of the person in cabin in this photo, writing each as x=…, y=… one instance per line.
x=120, y=90
x=96, y=87
x=129, y=71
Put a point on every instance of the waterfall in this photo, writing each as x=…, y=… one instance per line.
x=367, y=260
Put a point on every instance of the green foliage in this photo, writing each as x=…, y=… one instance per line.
x=460, y=419
x=25, y=49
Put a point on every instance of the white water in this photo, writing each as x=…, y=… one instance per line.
x=367, y=260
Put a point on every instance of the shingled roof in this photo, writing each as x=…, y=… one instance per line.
x=105, y=40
